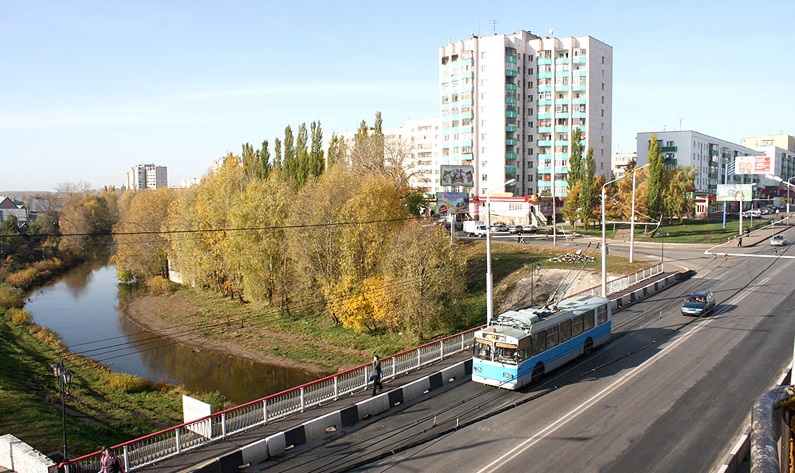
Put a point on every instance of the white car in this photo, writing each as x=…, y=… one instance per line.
x=500, y=227
x=778, y=240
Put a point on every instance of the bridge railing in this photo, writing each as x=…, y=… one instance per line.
x=619, y=284
x=181, y=438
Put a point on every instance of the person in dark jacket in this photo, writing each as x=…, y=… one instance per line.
x=376, y=376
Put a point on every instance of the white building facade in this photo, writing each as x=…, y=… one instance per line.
x=147, y=176
x=509, y=105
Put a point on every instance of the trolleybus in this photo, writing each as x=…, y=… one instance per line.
x=519, y=346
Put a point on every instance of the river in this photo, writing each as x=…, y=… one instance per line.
x=83, y=308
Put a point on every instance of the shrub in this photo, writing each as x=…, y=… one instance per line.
x=161, y=285
x=23, y=278
x=10, y=296
x=128, y=383
x=19, y=316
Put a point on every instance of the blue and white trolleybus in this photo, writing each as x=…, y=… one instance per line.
x=519, y=346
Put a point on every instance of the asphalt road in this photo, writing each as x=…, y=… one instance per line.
x=669, y=393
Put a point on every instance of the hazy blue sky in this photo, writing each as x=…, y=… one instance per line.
x=89, y=88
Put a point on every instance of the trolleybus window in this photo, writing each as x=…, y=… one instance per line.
x=576, y=325
x=587, y=319
x=601, y=314
x=565, y=330
x=552, y=336
x=482, y=349
x=539, y=342
x=505, y=353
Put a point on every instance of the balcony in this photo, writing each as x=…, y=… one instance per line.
x=578, y=60
x=511, y=59
x=510, y=86
x=562, y=129
x=509, y=114
x=510, y=169
x=544, y=129
x=544, y=75
x=668, y=149
x=544, y=102
x=562, y=60
x=511, y=142
x=543, y=61
x=544, y=143
x=510, y=101
x=511, y=73
x=511, y=155
x=578, y=87
x=511, y=128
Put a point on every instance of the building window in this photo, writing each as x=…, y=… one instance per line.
x=484, y=177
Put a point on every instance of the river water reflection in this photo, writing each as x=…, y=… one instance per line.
x=82, y=307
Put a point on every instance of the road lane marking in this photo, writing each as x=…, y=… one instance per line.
x=593, y=400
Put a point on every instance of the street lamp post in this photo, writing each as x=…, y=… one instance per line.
x=489, y=278
x=604, y=244
x=64, y=380
x=632, y=218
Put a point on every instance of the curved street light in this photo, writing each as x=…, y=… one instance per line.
x=64, y=379
x=489, y=279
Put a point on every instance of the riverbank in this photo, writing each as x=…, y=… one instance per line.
x=256, y=333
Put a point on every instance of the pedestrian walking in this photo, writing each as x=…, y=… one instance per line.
x=109, y=462
x=520, y=239
x=376, y=376
x=740, y=242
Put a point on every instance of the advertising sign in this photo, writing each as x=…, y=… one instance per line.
x=457, y=175
x=448, y=203
x=734, y=192
x=753, y=165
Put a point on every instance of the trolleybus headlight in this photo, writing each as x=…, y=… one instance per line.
x=508, y=375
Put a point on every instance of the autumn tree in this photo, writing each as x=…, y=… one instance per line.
x=570, y=210
x=678, y=200
x=336, y=152
x=257, y=249
x=141, y=246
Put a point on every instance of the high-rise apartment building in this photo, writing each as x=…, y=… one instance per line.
x=147, y=176
x=509, y=105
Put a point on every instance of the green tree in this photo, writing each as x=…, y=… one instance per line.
x=587, y=195
x=316, y=161
x=336, y=151
x=289, y=163
x=656, y=171
x=264, y=161
x=575, y=174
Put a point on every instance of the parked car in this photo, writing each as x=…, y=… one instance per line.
x=778, y=240
x=499, y=227
x=752, y=213
x=699, y=303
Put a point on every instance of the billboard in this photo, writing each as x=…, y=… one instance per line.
x=451, y=203
x=463, y=176
x=735, y=192
x=753, y=165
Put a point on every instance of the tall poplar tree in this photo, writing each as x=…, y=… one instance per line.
x=656, y=174
x=316, y=162
x=587, y=197
x=288, y=163
x=277, y=154
x=264, y=161
x=301, y=168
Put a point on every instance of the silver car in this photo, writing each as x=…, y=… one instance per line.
x=778, y=240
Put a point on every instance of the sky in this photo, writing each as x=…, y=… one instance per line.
x=91, y=88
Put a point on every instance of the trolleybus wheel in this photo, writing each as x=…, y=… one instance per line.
x=538, y=372
x=588, y=347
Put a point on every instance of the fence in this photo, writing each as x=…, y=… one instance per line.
x=177, y=440
x=621, y=283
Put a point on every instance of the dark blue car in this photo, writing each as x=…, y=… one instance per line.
x=699, y=303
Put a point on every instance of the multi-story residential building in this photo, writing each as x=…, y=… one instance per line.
x=147, y=176
x=419, y=140
x=620, y=163
x=509, y=105
x=785, y=142
x=712, y=158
